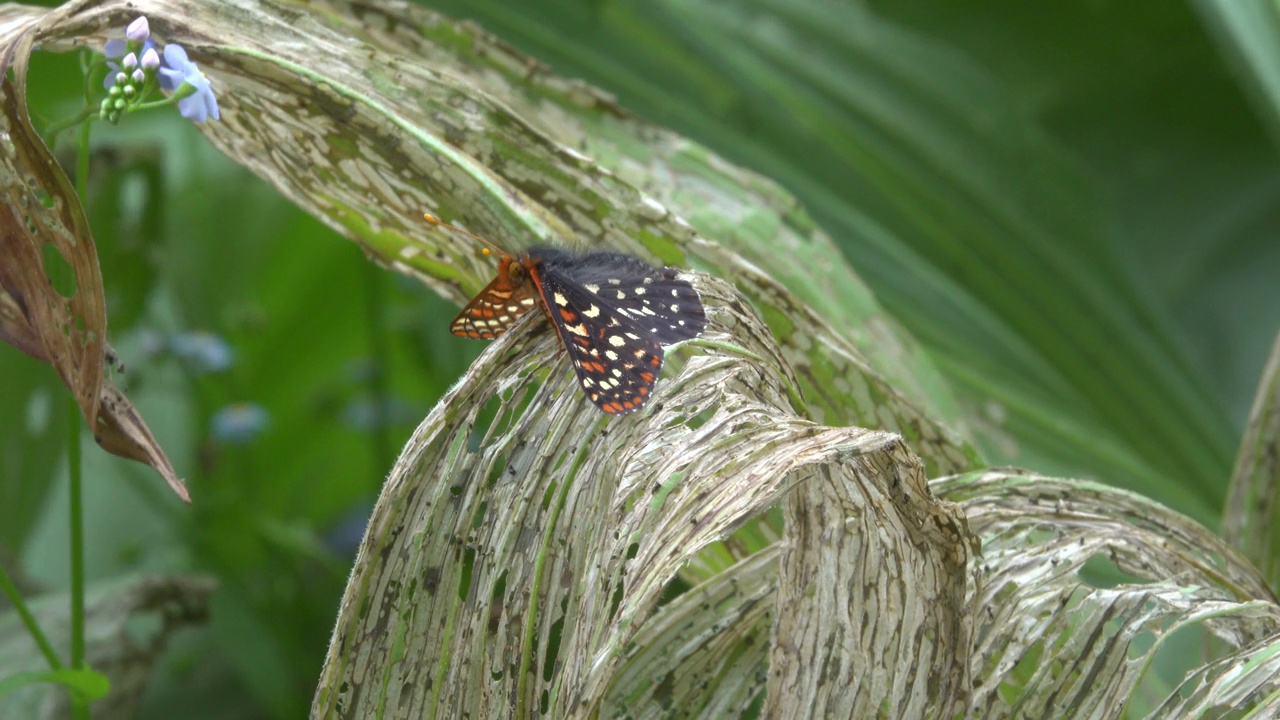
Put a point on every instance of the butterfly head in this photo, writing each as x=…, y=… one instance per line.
x=512, y=268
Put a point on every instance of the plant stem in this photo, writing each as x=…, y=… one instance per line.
x=51, y=132
x=15, y=598
x=80, y=708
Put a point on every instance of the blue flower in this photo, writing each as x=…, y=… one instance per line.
x=196, y=101
x=205, y=351
x=139, y=30
x=116, y=49
x=239, y=424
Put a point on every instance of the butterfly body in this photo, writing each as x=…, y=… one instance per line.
x=613, y=314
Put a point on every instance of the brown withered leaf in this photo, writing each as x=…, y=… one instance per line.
x=40, y=208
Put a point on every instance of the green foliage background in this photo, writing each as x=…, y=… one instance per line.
x=1072, y=206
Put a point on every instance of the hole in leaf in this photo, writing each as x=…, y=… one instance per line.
x=615, y=602
x=496, y=469
x=553, y=648
x=1181, y=651
x=62, y=276
x=484, y=419
x=549, y=495
x=43, y=197
x=1101, y=572
x=674, y=589
x=1014, y=682
x=700, y=419
x=464, y=578
x=496, y=603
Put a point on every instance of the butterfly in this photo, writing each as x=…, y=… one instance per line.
x=612, y=312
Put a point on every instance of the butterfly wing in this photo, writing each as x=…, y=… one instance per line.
x=495, y=308
x=613, y=313
x=616, y=362
x=662, y=304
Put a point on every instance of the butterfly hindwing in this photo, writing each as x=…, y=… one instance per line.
x=617, y=363
x=495, y=309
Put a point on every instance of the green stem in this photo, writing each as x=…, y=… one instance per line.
x=15, y=598
x=151, y=105
x=80, y=708
x=87, y=112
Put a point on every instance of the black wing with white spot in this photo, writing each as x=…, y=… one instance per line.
x=657, y=300
x=614, y=313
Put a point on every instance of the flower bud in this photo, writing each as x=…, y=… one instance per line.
x=121, y=78
x=130, y=61
x=138, y=31
x=150, y=59
x=139, y=77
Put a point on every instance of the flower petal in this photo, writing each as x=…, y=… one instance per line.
x=169, y=79
x=109, y=81
x=176, y=57
x=138, y=30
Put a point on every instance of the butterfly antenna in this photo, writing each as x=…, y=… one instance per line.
x=490, y=248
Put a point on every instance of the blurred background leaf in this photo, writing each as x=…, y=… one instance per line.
x=1073, y=207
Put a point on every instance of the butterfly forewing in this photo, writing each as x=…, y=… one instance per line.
x=495, y=309
x=616, y=362
x=614, y=313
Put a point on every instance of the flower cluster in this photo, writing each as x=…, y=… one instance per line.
x=137, y=67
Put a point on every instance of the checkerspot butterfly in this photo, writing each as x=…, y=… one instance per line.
x=612, y=312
